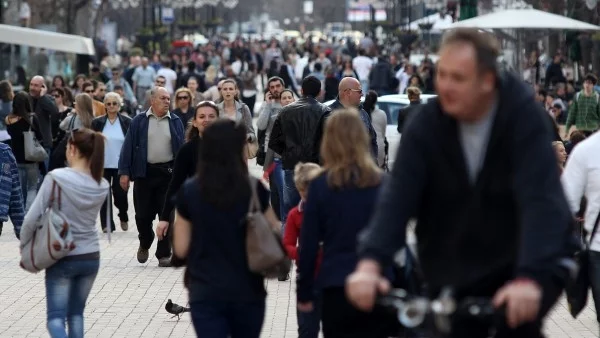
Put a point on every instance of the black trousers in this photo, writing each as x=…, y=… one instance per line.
x=342, y=320
x=275, y=198
x=250, y=101
x=119, y=199
x=148, y=199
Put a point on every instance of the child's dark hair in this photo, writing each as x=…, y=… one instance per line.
x=91, y=147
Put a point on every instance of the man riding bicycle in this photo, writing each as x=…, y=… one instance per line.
x=476, y=169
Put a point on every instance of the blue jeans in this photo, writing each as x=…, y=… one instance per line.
x=68, y=284
x=28, y=174
x=221, y=319
x=278, y=177
x=291, y=197
x=309, y=323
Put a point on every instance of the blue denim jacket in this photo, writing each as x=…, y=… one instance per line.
x=11, y=199
x=134, y=153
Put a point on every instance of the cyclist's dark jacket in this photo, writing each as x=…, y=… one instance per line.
x=514, y=219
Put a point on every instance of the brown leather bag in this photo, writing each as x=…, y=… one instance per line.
x=264, y=248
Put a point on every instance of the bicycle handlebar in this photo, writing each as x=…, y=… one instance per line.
x=413, y=310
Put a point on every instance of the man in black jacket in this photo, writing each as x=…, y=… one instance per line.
x=349, y=96
x=476, y=169
x=293, y=137
x=44, y=109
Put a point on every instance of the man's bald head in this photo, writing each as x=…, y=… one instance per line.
x=348, y=83
x=349, y=92
x=35, y=86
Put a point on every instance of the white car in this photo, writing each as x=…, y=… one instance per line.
x=391, y=105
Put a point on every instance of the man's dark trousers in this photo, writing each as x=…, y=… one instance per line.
x=148, y=199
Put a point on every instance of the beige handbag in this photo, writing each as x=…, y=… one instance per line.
x=52, y=239
x=251, y=149
x=266, y=255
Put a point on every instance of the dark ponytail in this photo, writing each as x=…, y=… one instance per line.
x=91, y=147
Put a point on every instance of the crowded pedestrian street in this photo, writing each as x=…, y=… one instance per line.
x=128, y=298
x=299, y=168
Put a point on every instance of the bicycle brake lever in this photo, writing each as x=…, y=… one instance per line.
x=442, y=309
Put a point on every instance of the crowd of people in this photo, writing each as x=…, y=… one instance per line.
x=476, y=169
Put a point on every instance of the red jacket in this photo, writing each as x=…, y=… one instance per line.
x=292, y=234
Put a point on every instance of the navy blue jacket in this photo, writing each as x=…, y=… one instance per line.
x=364, y=116
x=333, y=217
x=133, y=159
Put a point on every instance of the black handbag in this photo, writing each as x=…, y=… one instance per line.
x=578, y=288
x=262, y=152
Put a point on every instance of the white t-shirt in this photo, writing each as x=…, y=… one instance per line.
x=114, y=142
x=362, y=65
x=170, y=76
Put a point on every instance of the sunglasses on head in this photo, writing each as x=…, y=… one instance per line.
x=207, y=104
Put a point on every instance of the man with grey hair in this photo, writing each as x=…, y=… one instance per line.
x=143, y=78
x=148, y=160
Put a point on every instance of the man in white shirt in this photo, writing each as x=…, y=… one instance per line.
x=362, y=64
x=169, y=75
x=403, y=75
x=580, y=178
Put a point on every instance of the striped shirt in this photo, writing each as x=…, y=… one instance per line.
x=584, y=113
x=11, y=199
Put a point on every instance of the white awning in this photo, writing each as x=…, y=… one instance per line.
x=439, y=22
x=524, y=19
x=42, y=39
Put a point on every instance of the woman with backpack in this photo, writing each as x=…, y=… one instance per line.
x=82, y=191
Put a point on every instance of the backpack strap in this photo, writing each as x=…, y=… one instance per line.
x=596, y=95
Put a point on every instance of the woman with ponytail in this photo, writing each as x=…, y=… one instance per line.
x=83, y=190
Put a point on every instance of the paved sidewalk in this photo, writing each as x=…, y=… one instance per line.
x=128, y=298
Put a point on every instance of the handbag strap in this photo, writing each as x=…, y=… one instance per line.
x=71, y=123
x=594, y=230
x=30, y=120
x=55, y=194
x=108, y=213
x=254, y=204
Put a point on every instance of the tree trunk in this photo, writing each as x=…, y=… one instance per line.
x=585, y=42
x=556, y=7
x=98, y=14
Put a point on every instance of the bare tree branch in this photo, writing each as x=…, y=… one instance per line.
x=77, y=5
